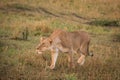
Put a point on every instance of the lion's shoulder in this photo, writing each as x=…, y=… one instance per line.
x=57, y=33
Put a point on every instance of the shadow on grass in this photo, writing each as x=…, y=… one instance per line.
x=19, y=39
x=108, y=23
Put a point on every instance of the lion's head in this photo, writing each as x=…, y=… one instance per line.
x=45, y=44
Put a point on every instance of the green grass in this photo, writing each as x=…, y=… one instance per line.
x=18, y=60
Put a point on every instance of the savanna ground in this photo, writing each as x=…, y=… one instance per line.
x=18, y=60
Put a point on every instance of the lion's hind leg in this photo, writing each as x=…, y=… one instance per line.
x=71, y=60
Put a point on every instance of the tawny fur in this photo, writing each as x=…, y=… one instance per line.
x=66, y=42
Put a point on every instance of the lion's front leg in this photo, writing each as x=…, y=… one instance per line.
x=54, y=55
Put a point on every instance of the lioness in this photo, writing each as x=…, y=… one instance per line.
x=66, y=42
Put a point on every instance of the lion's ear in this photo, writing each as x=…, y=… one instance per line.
x=50, y=40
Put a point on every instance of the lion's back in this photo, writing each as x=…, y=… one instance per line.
x=70, y=39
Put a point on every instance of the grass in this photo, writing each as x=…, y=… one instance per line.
x=18, y=60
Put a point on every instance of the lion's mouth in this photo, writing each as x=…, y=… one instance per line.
x=39, y=52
